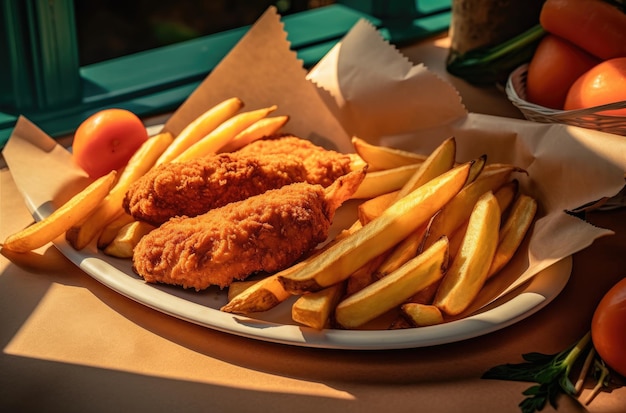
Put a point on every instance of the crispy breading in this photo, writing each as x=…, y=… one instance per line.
x=263, y=233
x=194, y=187
x=323, y=166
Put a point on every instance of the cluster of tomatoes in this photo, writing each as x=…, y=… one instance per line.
x=581, y=62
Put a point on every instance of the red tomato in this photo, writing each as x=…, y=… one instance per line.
x=106, y=141
x=602, y=84
x=608, y=328
x=555, y=66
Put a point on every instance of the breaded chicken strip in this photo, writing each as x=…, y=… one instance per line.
x=323, y=166
x=263, y=233
x=192, y=188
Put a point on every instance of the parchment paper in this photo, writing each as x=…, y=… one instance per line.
x=364, y=87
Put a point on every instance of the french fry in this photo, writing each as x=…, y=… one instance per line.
x=513, y=231
x=63, y=218
x=382, y=157
x=365, y=275
x=477, y=168
x=404, y=251
x=422, y=315
x=391, y=291
x=110, y=231
x=127, y=238
x=314, y=310
x=237, y=287
x=439, y=161
x=344, y=257
x=258, y=130
x=468, y=271
x=200, y=127
x=504, y=195
x=373, y=207
x=260, y=296
x=80, y=235
x=223, y=134
x=457, y=211
x=381, y=182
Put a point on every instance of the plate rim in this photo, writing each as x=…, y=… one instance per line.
x=520, y=306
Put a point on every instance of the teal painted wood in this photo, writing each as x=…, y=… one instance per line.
x=158, y=80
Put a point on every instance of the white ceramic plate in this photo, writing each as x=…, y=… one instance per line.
x=276, y=325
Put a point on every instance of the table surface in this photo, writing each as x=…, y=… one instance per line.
x=71, y=344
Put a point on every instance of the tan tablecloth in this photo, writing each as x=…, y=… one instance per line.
x=71, y=344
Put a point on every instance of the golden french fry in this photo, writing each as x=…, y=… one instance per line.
x=261, y=296
x=200, y=127
x=506, y=194
x=394, y=289
x=223, y=134
x=382, y=157
x=477, y=168
x=426, y=295
x=237, y=287
x=127, y=238
x=458, y=210
x=344, y=257
x=401, y=253
x=258, y=130
x=365, y=275
x=110, y=231
x=111, y=206
x=381, y=182
x=314, y=309
x=439, y=161
x=422, y=315
x=373, y=207
x=456, y=238
x=513, y=231
x=468, y=271
x=62, y=219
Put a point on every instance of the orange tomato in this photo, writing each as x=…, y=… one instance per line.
x=608, y=328
x=553, y=69
x=593, y=25
x=602, y=84
x=106, y=140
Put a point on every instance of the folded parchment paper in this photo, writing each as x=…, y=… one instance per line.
x=364, y=87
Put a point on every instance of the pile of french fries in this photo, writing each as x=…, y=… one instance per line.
x=430, y=231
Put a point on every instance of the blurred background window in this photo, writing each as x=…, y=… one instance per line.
x=108, y=29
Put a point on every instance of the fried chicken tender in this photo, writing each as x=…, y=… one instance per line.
x=263, y=233
x=323, y=166
x=194, y=187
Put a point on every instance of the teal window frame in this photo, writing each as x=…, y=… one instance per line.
x=44, y=81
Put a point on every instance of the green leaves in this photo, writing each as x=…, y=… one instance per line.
x=549, y=372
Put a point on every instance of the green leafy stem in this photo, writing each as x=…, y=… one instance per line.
x=551, y=374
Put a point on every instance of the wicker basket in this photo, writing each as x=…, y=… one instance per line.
x=586, y=118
